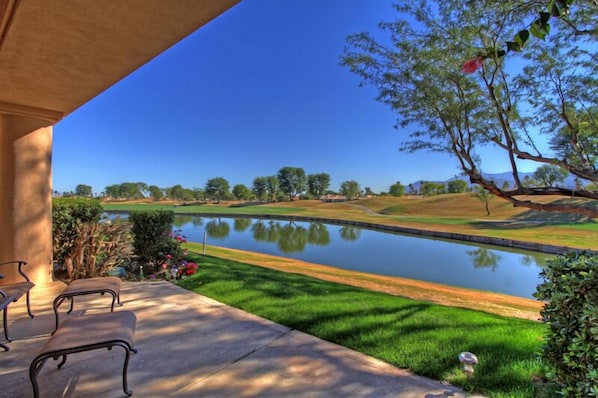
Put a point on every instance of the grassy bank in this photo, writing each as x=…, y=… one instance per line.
x=455, y=213
x=417, y=335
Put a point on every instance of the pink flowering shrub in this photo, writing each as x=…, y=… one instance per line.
x=175, y=266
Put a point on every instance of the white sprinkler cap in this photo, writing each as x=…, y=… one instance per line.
x=468, y=360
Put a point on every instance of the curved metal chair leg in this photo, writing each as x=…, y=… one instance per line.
x=62, y=362
x=125, y=366
x=29, y=305
x=34, y=369
x=72, y=299
x=5, y=325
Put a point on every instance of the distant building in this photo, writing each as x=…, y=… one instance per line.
x=333, y=198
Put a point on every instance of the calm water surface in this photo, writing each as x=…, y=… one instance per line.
x=482, y=267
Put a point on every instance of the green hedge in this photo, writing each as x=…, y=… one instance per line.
x=152, y=231
x=570, y=289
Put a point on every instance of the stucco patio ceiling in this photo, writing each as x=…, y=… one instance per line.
x=57, y=55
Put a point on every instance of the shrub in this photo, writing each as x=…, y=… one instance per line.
x=152, y=231
x=570, y=289
x=82, y=244
x=67, y=215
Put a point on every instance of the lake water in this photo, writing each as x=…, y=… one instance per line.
x=482, y=267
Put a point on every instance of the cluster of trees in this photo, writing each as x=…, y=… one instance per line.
x=429, y=188
x=544, y=176
x=292, y=182
x=289, y=183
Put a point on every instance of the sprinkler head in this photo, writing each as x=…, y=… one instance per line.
x=468, y=360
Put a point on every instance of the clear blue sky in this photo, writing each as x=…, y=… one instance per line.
x=258, y=88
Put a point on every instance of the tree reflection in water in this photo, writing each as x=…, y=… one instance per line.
x=534, y=259
x=263, y=232
x=181, y=220
x=288, y=235
x=350, y=234
x=484, y=258
x=241, y=224
x=217, y=229
x=318, y=234
x=487, y=258
x=292, y=238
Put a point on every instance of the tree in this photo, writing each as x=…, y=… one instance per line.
x=187, y=194
x=539, y=28
x=176, y=192
x=260, y=188
x=484, y=196
x=566, y=145
x=113, y=191
x=217, y=189
x=155, y=192
x=412, y=190
x=132, y=190
x=318, y=184
x=198, y=194
x=529, y=181
x=500, y=106
x=292, y=181
x=241, y=192
x=397, y=189
x=430, y=188
x=549, y=174
x=456, y=186
x=83, y=190
x=367, y=191
x=272, y=188
x=350, y=189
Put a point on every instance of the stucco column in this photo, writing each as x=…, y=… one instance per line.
x=26, y=194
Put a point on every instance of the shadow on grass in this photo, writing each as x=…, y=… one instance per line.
x=423, y=337
x=534, y=218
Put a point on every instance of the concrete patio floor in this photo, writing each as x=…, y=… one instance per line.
x=192, y=346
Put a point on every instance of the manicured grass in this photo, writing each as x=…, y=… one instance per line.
x=582, y=227
x=435, y=220
x=423, y=337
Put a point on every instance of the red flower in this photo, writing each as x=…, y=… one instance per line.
x=472, y=65
x=188, y=269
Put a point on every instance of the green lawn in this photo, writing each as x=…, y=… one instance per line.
x=420, y=336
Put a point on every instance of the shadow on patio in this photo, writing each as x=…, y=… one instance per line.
x=192, y=346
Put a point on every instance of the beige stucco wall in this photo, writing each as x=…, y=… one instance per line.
x=26, y=196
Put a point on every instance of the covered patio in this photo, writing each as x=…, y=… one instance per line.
x=192, y=346
x=54, y=57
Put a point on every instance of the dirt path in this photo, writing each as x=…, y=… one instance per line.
x=495, y=303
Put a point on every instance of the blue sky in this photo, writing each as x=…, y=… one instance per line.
x=257, y=89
